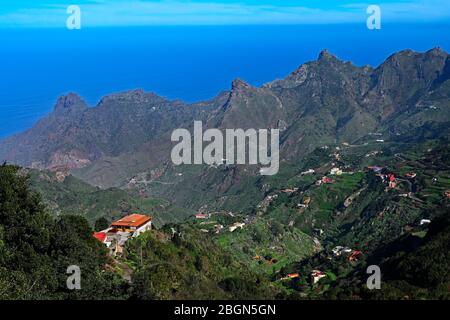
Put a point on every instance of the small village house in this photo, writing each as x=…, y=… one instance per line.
x=102, y=237
x=327, y=180
x=336, y=172
x=122, y=230
x=236, y=225
x=355, y=255
x=291, y=276
x=218, y=228
x=392, y=183
x=201, y=216
x=316, y=275
x=133, y=223
x=309, y=171
x=339, y=250
x=289, y=190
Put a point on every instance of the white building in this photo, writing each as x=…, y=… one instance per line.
x=236, y=225
x=336, y=172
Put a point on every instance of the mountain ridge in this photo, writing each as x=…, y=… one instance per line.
x=321, y=102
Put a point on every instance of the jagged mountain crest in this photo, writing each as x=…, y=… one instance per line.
x=321, y=102
x=399, y=82
x=71, y=102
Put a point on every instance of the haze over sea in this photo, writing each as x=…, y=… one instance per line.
x=191, y=63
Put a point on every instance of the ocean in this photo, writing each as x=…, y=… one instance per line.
x=190, y=63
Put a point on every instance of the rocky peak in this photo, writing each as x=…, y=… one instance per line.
x=437, y=51
x=69, y=103
x=239, y=89
x=239, y=85
x=137, y=96
x=326, y=56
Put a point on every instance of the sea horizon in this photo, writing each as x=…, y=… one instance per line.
x=188, y=63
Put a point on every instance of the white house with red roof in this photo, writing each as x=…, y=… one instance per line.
x=123, y=229
x=133, y=223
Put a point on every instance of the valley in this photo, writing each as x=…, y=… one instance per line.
x=364, y=179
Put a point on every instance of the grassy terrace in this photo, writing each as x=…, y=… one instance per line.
x=264, y=252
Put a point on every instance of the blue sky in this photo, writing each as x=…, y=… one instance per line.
x=52, y=13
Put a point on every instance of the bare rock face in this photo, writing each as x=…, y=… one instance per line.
x=73, y=159
x=62, y=175
x=239, y=86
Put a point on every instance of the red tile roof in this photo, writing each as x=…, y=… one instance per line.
x=327, y=180
x=101, y=236
x=354, y=256
x=132, y=220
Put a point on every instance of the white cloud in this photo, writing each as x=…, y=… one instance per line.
x=176, y=12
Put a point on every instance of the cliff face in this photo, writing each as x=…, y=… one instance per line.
x=323, y=101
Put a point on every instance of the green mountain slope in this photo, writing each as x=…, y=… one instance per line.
x=36, y=251
x=70, y=195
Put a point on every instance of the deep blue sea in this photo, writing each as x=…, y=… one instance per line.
x=189, y=63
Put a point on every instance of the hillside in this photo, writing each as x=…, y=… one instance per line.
x=364, y=179
x=187, y=265
x=66, y=194
x=389, y=226
x=127, y=135
x=36, y=250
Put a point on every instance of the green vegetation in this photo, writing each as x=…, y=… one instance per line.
x=384, y=224
x=196, y=259
x=36, y=250
x=266, y=245
x=70, y=195
x=190, y=266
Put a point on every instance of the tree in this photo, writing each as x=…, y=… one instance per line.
x=276, y=228
x=101, y=224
